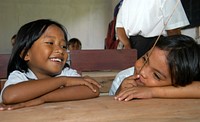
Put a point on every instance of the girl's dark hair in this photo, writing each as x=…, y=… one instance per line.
x=25, y=38
x=183, y=58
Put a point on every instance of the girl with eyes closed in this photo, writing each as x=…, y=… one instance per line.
x=37, y=72
x=169, y=70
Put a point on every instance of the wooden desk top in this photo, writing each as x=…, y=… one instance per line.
x=106, y=109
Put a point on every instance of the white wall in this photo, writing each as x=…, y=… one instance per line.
x=85, y=19
x=193, y=32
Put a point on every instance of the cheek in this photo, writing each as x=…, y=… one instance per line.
x=65, y=56
x=41, y=53
x=153, y=82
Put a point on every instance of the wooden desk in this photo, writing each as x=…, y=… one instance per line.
x=105, y=78
x=106, y=109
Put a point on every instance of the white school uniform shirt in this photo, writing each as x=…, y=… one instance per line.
x=119, y=78
x=148, y=17
x=18, y=77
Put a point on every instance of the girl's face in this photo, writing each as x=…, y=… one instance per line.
x=156, y=70
x=47, y=56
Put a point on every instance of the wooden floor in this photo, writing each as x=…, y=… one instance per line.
x=106, y=109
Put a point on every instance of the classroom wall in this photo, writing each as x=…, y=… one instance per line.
x=85, y=19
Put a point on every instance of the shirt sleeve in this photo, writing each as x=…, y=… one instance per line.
x=174, y=14
x=14, y=78
x=119, y=22
x=119, y=78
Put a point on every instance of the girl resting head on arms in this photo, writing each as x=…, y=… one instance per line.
x=37, y=72
x=171, y=70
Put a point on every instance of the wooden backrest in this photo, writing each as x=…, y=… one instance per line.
x=4, y=59
x=96, y=60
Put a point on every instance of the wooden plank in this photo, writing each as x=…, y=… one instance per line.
x=4, y=59
x=106, y=109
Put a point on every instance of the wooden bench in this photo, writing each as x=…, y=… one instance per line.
x=102, y=65
x=4, y=59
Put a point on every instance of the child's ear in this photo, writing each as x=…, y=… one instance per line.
x=27, y=57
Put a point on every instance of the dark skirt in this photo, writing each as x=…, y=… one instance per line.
x=142, y=44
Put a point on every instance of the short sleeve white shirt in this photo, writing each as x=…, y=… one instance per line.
x=148, y=17
x=18, y=77
x=119, y=78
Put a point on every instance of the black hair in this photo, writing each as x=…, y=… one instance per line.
x=13, y=39
x=74, y=40
x=183, y=58
x=25, y=38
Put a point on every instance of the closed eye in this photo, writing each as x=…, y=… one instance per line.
x=156, y=76
x=50, y=43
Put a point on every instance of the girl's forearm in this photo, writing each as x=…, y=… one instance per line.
x=189, y=91
x=70, y=93
x=31, y=89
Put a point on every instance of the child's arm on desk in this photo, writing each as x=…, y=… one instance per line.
x=30, y=90
x=189, y=91
x=62, y=94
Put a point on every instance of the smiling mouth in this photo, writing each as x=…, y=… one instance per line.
x=56, y=60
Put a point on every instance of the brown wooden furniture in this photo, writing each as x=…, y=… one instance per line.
x=102, y=60
x=4, y=58
x=106, y=109
x=102, y=65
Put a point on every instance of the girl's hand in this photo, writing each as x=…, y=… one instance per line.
x=128, y=82
x=88, y=81
x=134, y=92
x=92, y=81
x=3, y=107
x=30, y=103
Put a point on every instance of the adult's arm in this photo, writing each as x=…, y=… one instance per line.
x=123, y=37
x=174, y=32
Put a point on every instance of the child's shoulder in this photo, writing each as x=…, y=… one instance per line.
x=22, y=75
x=127, y=71
x=16, y=73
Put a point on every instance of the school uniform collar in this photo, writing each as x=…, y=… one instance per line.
x=31, y=76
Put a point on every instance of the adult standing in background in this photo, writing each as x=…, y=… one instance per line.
x=111, y=42
x=139, y=22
